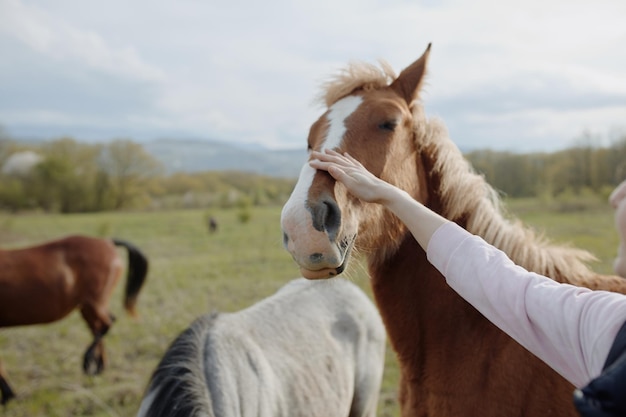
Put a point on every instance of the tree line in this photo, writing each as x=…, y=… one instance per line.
x=582, y=168
x=72, y=176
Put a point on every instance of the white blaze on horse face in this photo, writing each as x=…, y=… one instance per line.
x=301, y=238
x=337, y=116
x=294, y=216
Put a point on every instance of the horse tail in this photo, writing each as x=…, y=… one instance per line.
x=178, y=387
x=136, y=274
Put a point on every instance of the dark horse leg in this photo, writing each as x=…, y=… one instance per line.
x=5, y=388
x=94, y=360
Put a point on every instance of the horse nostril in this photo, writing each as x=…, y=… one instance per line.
x=333, y=218
x=316, y=257
x=285, y=239
x=327, y=217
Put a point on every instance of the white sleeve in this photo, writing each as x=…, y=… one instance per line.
x=570, y=328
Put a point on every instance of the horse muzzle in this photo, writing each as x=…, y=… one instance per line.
x=317, y=256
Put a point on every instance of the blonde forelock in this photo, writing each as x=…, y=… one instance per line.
x=356, y=76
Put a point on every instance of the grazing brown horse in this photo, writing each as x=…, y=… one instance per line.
x=453, y=361
x=44, y=283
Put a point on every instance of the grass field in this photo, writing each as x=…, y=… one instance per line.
x=191, y=273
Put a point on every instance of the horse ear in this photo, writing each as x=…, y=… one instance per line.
x=410, y=79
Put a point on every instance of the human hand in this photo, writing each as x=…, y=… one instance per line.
x=421, y=221
x=355, y=177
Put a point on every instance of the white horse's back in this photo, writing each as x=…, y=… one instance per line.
x=315, y=348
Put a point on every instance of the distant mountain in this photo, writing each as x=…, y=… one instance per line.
x=189, y=155
x=193, y=155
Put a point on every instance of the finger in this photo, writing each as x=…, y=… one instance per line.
x=327, y=157
x=320, y=156
x=352, y=159
x=328, y=153
x=332, y=168
x=338, y=173
x=318, y=164
x=331, y=152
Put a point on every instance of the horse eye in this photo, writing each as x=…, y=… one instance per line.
x=389, y=125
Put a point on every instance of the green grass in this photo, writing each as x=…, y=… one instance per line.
x=590, y=228
x=191, y=273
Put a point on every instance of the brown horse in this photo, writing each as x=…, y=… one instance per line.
x=44, y=283
x=453, y=361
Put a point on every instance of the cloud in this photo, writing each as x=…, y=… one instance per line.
x=248, y=71
x=531, y=91
x=56, y=39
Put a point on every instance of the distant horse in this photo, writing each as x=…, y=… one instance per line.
x=212, y=224
x=618, y=202
x=44, y=283
x=453, y=361
x=313, y=349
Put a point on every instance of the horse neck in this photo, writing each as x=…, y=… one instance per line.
x=441, y=342
x=410, y=292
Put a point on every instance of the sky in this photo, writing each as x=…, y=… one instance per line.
x=531, y=76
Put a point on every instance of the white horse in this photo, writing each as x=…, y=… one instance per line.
x=313, y=349
x=618, y=202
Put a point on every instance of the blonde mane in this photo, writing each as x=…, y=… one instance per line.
x=466, y=195
x=356, y=76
